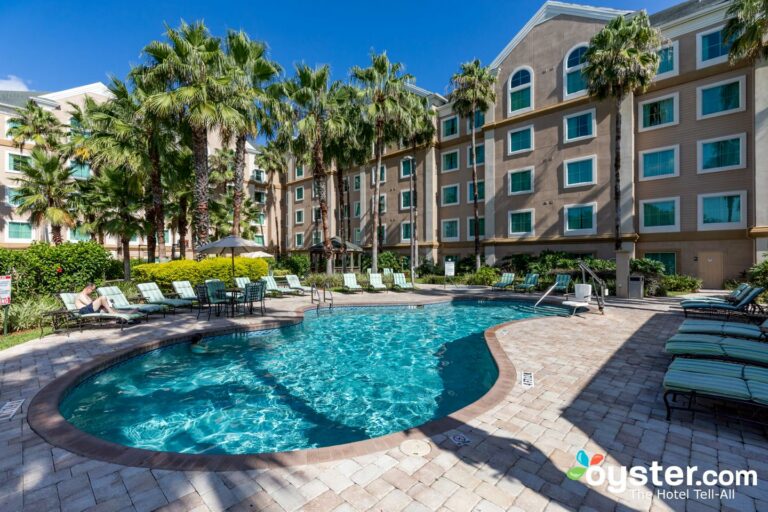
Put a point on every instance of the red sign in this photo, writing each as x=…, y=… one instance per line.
x=5, y=290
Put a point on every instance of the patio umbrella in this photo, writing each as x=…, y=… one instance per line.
x=258, y=254
x=230, y=244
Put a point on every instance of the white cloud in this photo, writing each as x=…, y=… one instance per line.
x=12, y=83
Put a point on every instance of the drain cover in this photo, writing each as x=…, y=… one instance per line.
x=8, y=410
x=526, y=380
x=415, y=447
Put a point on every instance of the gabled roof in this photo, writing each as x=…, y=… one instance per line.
x=683, y=10
x=549, y=10
x=425, y=93
x=94, y=88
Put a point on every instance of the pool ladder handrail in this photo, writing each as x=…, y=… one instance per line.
x=327, y=297
x=598, y=285
x=549, y=290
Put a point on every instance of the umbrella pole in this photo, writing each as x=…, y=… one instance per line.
x=233, y=266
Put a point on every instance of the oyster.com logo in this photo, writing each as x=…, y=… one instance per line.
x=584, y=462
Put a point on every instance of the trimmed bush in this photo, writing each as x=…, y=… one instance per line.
x=680, y=283
x=197, y=272
x=486, y=276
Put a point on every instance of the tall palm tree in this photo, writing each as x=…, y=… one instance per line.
x=473, y=92
x=747, y=29
x=192, y=66
x=316, y=110
x=621, y=60
x=252, y=73
x=35, y=124
x=221, y=165
x=383, y=90
x=44, y=191
x=177, y=184
x=271, y=159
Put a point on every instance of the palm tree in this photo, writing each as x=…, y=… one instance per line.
x=192, y=66
x=383, y=91
x=473, y=92
x=747, y=29
x=252, y=73
x=271, y=159
x=44, y=191
x=621, y=60
x=316, y=110
x=177, y=184
x=221, y=165
x=35, y=124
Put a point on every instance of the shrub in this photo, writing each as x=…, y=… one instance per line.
x=466, y=265
x=428, y=267
x=758, y=274
x=680, y=283
x=197, y=272
x=653, y=271
x=297, y=264
x=440, y=279
x=486, y=276
x=27, y=313
x=388, y=259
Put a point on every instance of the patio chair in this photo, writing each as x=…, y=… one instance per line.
x=240, y=282
x=562, y=283
x=733, y=297
x=254, y=293
x=274, y=289
x=206, y=301
x=375, y=283
x=68, y=299
x=350, y=283
x=507, y=280
x=387, y=271
x=152, y=295
x=531, y=281
x=399, y=282
x=295, y=284
x=184, y=290
x=745, y=306
x=119, y=302
x=729, y=329
x=718, y=347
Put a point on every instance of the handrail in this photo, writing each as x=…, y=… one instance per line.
x=551, y=288
x=598, y=285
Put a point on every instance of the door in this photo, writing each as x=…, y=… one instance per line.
x=711, y=269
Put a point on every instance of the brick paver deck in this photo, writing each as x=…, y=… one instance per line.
x=597, y=388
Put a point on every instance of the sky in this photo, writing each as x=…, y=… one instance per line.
x=57, y=44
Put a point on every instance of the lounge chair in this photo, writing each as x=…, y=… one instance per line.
x=745, y=305
x=733, y=297
x=273, y=288
x=507, y=280
x=399, y=282
x=705, y=345
x=719, y=380
x=350, y=283
x=120, y=303
x=81, y=318
x=730, y=329
x=375, y=283
x=530, y=282
x=240, y=282
x=184, y=290
x=562, y=283
x=387, y=271
x=295, y=284
x=152, y=294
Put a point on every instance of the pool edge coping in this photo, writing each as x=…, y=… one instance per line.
x=45, y=419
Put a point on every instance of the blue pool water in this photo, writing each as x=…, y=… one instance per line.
x=354, y=374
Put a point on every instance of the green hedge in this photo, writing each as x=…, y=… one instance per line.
x=680, y=283
x=197, y=272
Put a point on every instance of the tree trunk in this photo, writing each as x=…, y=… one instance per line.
x=476, y=220
x=275, y=212
x=376, y=191
x=125, y=243
x=342, y=220
x=182, y=226
x=157, y=200
x=617, y=175
x=319, y=179
x=149, y=215
x=56, y=234
x=200, y=217
x=237, y=197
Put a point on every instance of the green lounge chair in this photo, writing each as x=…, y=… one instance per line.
x=375, y=283
x=720, y=380
x=350, y=283
x=295, y=284
x=733, y=297
x=240, y=282
x=184, y=290
x=730, y=329
x=399, y=282
x=273, y=288
x=68, y=299
x=720, y=347
x=507, y=280
x=530, y=282
x=562, y=283
x=152, y=294
x=745, y=305
x=120, y=303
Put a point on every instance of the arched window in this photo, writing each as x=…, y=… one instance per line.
x=520, y=90
x=574, y=80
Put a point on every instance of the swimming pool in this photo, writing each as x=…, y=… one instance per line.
x=354, y=374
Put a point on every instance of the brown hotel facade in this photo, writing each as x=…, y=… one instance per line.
x=694, y=157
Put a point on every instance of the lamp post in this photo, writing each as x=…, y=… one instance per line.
x=412, y=215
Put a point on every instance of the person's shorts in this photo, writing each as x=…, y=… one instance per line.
x=87, y=309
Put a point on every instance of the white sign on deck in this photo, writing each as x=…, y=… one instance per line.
x=450, y=268
x=5, y=290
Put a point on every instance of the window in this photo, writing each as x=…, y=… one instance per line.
x=79, y=235
x=19, y=231
x=668, y=58
x=480, y=150
x=724, y=210
x=8, y=127
x=450, y=161
x=261, y=219
x=660, y=215
x=471, y=227
x=450, y=127
x=520, y=140
x=659, y=163
x=258, y=176
x=720, y=98
x=450, y=229
x=317, y=214
x=521, y=222
x=299, y=240
x=658, y=112
x=479, y=120
x=382, y=204
x=134, y=239
x=382, y=234
x=405, y=167
x=356, y=182
x=260, y=197
x=259, y=239
x=471, y=191
x=11, y=196
x=15, y=162
x=711, y=48
x=299, y=193
x=520, y=91
x=405, y=232
x=405, y=199
x=317, y=237
x=449, y=195
x=382, y=175
x=580, y=171
x=580, y=219
x=299, y=171
x=357, y=209
x=298, y=217
x=579, y=126
x=668, y=259
x=520, y=181
x=80, y=171
x=722, y=153
x=574, y=80
x=357, y=235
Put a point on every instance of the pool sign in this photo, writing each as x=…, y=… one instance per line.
x=450, y=269
x=5, y=290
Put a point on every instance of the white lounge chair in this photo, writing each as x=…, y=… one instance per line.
x=350, y=283
x=295, y=284
x=273, y=288
x=399, y=282
x=375, y=283
x=184, y=290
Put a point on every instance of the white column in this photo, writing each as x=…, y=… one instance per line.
x=490, y=192
x=289, y=220
x=427, y=200
x=627, y=166
x=363, y=206
x=760, y=146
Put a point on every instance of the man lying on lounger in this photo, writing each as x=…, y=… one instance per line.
x=86, y=305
